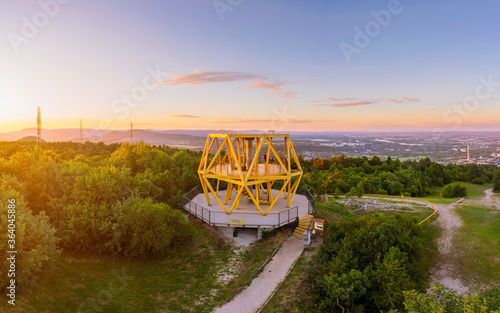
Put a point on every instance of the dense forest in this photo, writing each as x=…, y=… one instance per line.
x=95, y=199
x=343, y=175
x=126, y=200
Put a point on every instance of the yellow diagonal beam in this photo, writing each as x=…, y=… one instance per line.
x=217, y=154
x=292, y=193
x=238, y=166
x=278, y=158
x=215, y=195
x=254, y=201
x=277, y=197
x=205, y=191
x=205, y=154
x=237, y=199
x=255, y=159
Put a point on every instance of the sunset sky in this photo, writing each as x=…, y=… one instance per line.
x=251, y=64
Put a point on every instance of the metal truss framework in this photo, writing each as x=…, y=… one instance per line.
x=247, y=171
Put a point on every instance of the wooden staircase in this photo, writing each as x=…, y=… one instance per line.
x=304, y=224
x=245, y=194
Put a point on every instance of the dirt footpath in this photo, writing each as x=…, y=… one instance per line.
x=254, y=296
x=445, y=270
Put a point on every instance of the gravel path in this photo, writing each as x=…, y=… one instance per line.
x=444, y=271
x=489, y=200
x=489, y=193
x=254, y=296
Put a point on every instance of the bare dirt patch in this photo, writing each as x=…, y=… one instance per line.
x=362, y=206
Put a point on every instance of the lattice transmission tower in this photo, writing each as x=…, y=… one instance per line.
x=39, y=126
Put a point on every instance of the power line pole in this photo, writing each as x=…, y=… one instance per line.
x=81, y=131
x=39, y=126
x=131, y=132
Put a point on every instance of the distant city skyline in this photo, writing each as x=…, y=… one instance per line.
x=286, y=65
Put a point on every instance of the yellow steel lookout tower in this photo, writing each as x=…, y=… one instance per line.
x=249, y=181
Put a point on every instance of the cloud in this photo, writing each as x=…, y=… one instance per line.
x=186, y=116
x=274, y=87
x=411, y=99
x=267, y=120
x=352, y=102
x=260, y=81
x=200, y=77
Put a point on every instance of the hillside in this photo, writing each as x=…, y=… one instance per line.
x=109, y=136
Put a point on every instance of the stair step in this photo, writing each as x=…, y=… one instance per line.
x=305, y=218
x=300, y=230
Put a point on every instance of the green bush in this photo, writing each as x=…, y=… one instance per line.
x=367, y=263
x=134, y=227
x=444, y=300
x=35, y=240
x=478, y=181
x=148, y=229
x=496, y=181
x=454, y=190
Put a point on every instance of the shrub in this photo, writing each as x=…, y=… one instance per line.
x=134, y=227
x=444, y=300
x=367, y=263
x=382, y=192
x=454, y=190
x=148, y=229
x=478, y=181
x=35, y=240
x=496, y=181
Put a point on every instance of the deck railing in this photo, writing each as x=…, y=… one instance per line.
x=215, y=218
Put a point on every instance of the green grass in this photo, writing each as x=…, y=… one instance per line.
x=475, y=192
x=479, y=245
x=293, y=293
x=332, y=210
x=184, y=282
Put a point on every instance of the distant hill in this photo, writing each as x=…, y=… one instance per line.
x=174, y=140
x=29, y=138
x=109, y=136
x=63, y=134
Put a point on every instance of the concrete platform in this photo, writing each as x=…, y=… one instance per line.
x=247, y=215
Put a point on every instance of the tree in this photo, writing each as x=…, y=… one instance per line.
x=345, y=290
x=444, y=300
x=454, y=190
x=366, y=263
x=35, y=239
x=496, y=181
